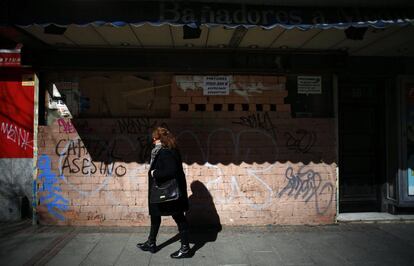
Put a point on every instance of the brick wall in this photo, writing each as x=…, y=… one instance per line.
x=247, y=161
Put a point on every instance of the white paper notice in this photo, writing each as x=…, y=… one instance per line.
x=309, y=84
x=216, y=85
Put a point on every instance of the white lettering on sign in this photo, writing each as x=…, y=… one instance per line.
x=216, y=85
x=309, y=84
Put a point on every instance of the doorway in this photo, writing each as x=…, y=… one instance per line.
x=361, y=124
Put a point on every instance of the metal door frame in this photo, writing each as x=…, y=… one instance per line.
x=404, y=200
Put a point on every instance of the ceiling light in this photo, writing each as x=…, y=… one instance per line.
x=356, y=34
x=54, y=29
x=191, y=32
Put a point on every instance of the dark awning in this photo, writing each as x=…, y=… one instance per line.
x=119, y=13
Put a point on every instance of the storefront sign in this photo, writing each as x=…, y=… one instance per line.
x=309, y=85
x=83, y=12
x=216, y=85
x=9, y=58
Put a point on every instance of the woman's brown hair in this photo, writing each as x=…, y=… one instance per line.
x=165, y=136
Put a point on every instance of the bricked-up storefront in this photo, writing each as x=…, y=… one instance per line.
x=306, y=94
x=260, y=165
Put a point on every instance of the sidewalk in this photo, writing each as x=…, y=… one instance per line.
x=343, y=244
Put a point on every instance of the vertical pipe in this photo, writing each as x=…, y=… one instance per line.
x=336, y=116
x=35, y=147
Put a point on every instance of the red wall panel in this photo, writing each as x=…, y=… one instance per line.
x=16, y=114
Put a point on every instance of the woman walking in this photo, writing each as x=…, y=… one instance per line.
x=166, y=165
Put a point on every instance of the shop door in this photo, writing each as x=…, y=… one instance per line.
x=406, y=182
x=361, y=144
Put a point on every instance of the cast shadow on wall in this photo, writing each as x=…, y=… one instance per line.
x=202, y=217
x=128, y=140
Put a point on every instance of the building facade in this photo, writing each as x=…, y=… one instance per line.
x=283, y=114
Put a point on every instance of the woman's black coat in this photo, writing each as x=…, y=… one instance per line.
x=167, y=165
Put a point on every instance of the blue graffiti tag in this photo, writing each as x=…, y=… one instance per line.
x=50, y=187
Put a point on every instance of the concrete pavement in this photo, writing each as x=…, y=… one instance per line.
x=342, y=244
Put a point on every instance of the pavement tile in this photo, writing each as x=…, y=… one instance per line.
x=74, y=252
x=287, y=247
x=344, y=244
x=18, y=249
x=404, y=231
x=228, y=250
x=316, y=247
x=131, y=255
x=107, y=249
x=162, y=257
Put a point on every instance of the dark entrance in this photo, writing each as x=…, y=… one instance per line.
x=361, y=144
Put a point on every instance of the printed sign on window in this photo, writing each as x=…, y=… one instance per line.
x=216, y=85
x=309, y=84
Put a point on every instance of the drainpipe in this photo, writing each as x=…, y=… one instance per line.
x=35, y=148
x=335, y=99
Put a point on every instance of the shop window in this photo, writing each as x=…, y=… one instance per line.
x=89, y=94
x=245, y=107
x=317, y=103
x=183, y=107
x=230, y=107
x=218, y=107
x=200, y=107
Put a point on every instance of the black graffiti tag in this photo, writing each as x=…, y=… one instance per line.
x=140, y=125
x=260, y=121
x=300, y=141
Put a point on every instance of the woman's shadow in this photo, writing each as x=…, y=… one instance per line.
x=202, y=217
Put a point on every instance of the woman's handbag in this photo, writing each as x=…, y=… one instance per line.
x=167, y=191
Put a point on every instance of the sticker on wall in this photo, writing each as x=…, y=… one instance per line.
x=309, y=85
x=216, y=85
x=28, y=80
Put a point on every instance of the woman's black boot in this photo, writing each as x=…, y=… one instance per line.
x=183, y=252
x=148, y=246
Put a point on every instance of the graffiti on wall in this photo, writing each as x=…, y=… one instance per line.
x=244, y=86
x=301, y=140
x=19, y=136
x=65, y=126
x=50, y=190
x=74, y=157
x=259, y=121
x=308, y=184
x=103, y=156
x=232, y=188
x=141, y=125
x=16, y=116
x=141, y=128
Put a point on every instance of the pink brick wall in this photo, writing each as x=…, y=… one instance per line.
x=261, y=167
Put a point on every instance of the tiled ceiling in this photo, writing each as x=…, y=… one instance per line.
x=392, y=41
